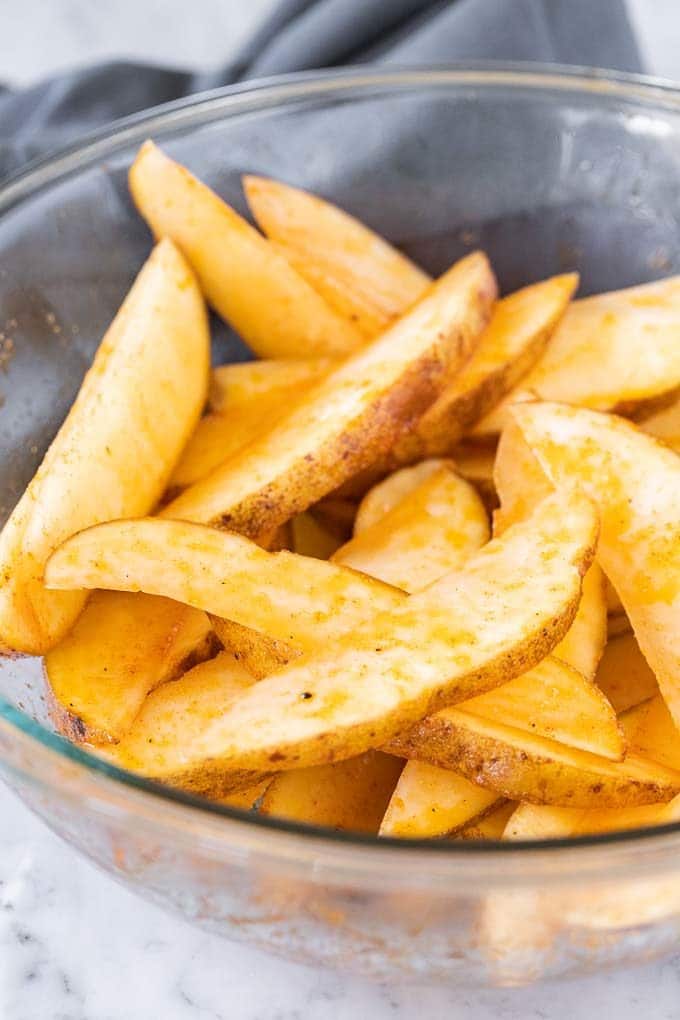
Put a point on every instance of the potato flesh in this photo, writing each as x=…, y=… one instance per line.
x=112, y=457
x=121, y=647
x=257, y=382
x=236, y=266
x=307, y=713
x=490, y=825
x=350, y=418
x=665, y=425
x=624, y=674
x=429, y=802
x=635, y=482
x=360, y=275
x=654, y=733
x=350, y=795
x=385, y=495
x=429, y=533
x=612, y=352
x=540, y=821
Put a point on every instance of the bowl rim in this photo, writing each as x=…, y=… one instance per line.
x=248, y=97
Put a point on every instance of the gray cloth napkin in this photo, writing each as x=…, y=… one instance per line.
x=303, y=34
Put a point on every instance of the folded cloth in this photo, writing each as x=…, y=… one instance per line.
x=303, y=34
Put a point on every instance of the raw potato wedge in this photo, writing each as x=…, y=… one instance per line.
x=521, y=766
x=612, y=352
x=257, y=652
x=475, y=463
x=236, y=266
x=293, y=598
x=112, y=457
x=358, y=273
x=540, y=821
x=665, y=425
x=218, y=437
x=246, y=799
x=175, y=713
x=554, y=700
x=521, y=483
x=350, y=794
x=516, y=336
x=468, y=632
x=490, y=825
x=429, y=802
x=121, y=647
x=624, y=675
x=350, y=418
x=430, y=532
x=635, y=482
x=263, y=382
x=584, y=643
x=654, y=734
x=385, y=495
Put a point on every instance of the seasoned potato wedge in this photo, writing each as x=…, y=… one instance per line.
x=350, y=418
x=350, y=794
x=490, y=825
x=236, y=266
x=515, y=337
x=554, y=700
x=434, y=529
x=521, y=766
x=385, y=495
x=121, y=647
x=635, y=481
x=263, y=382
x=583, y=644
x=358, y=273
x=218, y=437
x=541, y=821
x=428, y=802
x=665, y=425
x=113, y=455
x=307, y=713
x=475, y=463
x=654, y=734
x=254, y=588
x=612, y=352
x=176, y=713
x=312, y=538
x=247, y=798
x=624, y=674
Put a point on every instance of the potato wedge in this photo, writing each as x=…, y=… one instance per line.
x=430, y=532
x=540, y=821
x=654, y=734
x=665, y=425
x=218, y=437
x=521, y=483
x=358, y=273
x=174, y=715
x=236, y=266
x=584, y=643
x=428, y=802
x=516, y=336
x=470, y=631
x=350, y=795
x=624, y=675
x=257, y=652
x=385, y=495
x=611, y=352
x=522, y=766
x=263, y=382
x=491, y=825
x=350, y=418
x=114, y=453
x=295, y=599
x=635, y=481
x=246, y=799
x=554, y=700
x=475, y=463
x=121, y=647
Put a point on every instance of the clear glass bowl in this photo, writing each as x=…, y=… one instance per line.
x=546, y=170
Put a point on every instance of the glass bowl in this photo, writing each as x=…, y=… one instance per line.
x=547, y=171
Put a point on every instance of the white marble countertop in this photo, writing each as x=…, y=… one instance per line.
x=73, y=944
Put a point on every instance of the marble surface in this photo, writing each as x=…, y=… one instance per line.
x=73, y=944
